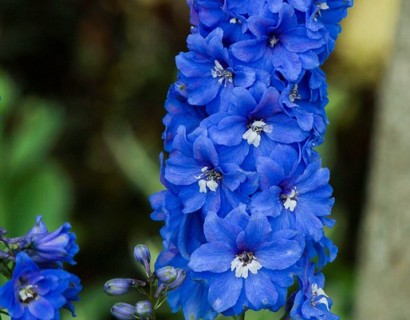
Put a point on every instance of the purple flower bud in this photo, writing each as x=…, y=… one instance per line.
x=119, y=286
x=123, y=311
x=181, y=275
x=144, y=309
x=167, y=274
x=143, y=256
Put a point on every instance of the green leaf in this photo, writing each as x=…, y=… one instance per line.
x=34, y=136
x=133, y=159
x=8, y=93
x=45, y=192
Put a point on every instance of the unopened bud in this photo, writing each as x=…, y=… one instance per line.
x=123, y=311
x=181, y=275
x=120, y=286
x=167, y=274
x=143, y=256
x=144, y=309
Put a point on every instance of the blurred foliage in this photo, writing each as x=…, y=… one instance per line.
x=83, y=85
x=30, y=182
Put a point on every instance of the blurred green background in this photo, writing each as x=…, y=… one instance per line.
x=83, y=85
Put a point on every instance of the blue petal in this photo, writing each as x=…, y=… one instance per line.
x=224, y=291
x=229, y=131
x=260, y=291
x=218, y=229
x=205, y=152
x=279, y=255
x=249, y=50
x=267, y=202
x=213, y=257
x=41, y=309
x=286, y=130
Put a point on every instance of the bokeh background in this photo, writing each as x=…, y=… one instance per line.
x=83, y=84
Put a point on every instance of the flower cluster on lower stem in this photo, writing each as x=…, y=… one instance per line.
x=153, y=288
x=38, y=286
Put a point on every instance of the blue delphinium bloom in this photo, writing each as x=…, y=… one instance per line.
x=297, y=194
x=209, y=73
x=204, y=178
x=280, y=43
x=34, y=293
x=253, y=121
x=305, y=101
x=71, y=293
x=245, y=264
x=180, y=112
x=311, y=301
x=46, y=247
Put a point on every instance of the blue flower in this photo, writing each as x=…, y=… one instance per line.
x=245, y=264
x=311, y=301
x=323, y=21
x=299, y=195
x=33, y=293
x=204, y=178
x=71, y=293
x=55, y=247
x=209, y=73
x=253, y=122
x=211, y=14
x=180, y=112
x=280, y=43
x=305, y=101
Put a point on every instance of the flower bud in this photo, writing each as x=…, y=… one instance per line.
x=120, y=286
x=123, y=311
x=143, y=256
x=167, y=274
x=181, y=275
x=144, y=309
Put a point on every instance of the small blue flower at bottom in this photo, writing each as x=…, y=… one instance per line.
x=34, y=294
x=311, y=301
x=246, y=265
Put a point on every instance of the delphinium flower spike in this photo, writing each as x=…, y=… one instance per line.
x=247, y=198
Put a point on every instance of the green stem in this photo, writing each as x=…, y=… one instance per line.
x=242, y=316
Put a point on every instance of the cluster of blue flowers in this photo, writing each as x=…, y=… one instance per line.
x=38, y=286
x=247, y=199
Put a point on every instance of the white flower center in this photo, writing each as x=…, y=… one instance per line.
x=289, y=200
x=27, y=294
x=252, y=135
x=235, y=20
x=320, y=7
x=224, y=76
x=316, y=291
x=294, y=94
x=208, y=179
x=243, y=263
x=273, y=41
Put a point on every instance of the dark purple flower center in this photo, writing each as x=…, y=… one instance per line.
x=245, y=257
x=294, y=94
